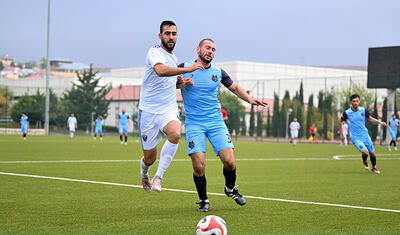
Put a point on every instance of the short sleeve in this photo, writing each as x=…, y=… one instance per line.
x=367, y=114
x=155, y=56
x=181, y=65
x=344, y=116
x=226, y=80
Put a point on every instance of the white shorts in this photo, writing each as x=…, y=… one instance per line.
x=151, y=127
x=72, y=128
x=294, y=134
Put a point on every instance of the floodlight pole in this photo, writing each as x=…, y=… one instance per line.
x=46, y=119
x=390, y=112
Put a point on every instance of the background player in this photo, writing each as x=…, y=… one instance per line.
x=355, y=117
x=123, y=125
x=394, y=124
x=158, y=109
x=98, y=124
x=204, y=120
x=72, y=125
x=294, y=130
x=24, y=125
x=343, y=136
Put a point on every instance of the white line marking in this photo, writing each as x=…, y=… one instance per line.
x=349, y=157
x=189, y=191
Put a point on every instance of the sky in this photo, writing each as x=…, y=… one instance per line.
x=119, y=33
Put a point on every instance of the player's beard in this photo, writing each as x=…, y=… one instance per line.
x=203, y=59
x=165, y=44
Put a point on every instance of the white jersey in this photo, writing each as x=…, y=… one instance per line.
x=294, y=126
x=158, y=94
x=344, y=129
x=71, y=123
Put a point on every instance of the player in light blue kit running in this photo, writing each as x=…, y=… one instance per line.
x=24, y=125
x=123, y=125
x=394, y=124
x=98, y=127
x=355, y=117
x=204, y=120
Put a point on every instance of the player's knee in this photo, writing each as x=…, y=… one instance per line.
x=174, y=137
x=198, y=171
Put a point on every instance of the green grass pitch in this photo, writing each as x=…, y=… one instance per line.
x=265, y=171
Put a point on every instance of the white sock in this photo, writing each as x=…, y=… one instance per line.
x=345, y=142
x=294, y=141
x=144, y=169
x=167, y=154
x=71, y=134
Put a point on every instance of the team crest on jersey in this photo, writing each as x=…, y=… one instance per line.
x=214, y=78
x=229, y=138
x=191, y=144
x=144, y=137
x=362, y=114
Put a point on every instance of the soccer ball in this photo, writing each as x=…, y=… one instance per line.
x=212, y=225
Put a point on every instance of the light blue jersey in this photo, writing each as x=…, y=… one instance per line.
x=123, y=119
x=393, y=126
x=358, y=132
x=24, y=123
x=203, y=115
x=99, y=125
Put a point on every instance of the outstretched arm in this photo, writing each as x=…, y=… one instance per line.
x=372, y=119
x=166, y=71
x=242, y=94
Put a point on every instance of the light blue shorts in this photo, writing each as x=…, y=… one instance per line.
x=123, y=129
x=393, y=134
x=363, y=143
x=98, y=130
x=215, y=131
x=24, y=129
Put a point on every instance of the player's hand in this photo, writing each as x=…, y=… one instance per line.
x=184, y=82
x=258, y=102
x=383, y=123
x=196, y=66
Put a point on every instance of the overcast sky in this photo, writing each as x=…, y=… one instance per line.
x=118, y=33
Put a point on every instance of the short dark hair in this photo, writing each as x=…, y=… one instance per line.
x=23, y=113
x=166, y=23
x=205, y=39
x=354, y=96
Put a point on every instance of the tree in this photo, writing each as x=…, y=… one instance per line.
x=243, y=128
x=309, y=114
x=234, y=110
x=12, y=64
x=276, y=117
x=259, y=123
x=285, y=106
x=301, y=93
x=384, y=117
x=1, y=66
x=87, y=97
x=268, y=130
x=252, y=121
x=5, y=98
x=374, y=127
x=43, y=62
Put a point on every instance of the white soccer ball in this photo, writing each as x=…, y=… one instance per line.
x=211, y=225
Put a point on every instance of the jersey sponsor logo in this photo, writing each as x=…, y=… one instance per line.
x=156, y=46
x=144, y=137
x=214, y=78
x=191, y=144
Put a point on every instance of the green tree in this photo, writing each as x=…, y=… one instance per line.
x=259, y=123
x=285, y=106
x=374, y=128
x=43, y=62
x=87, y=97
x=234, y=110
x=268, y=130
x=309, y=114
x=243, y=128
x=276, y=117
x=1, y=66
x=5, y=97
x=12, y=64
x=252, y=121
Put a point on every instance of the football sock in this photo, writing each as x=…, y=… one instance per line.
x=394, y=143
x=101, y=135
x=201, y=186
x=120, y=137
x=345, y=142
x=364, y=157
x=167, y=154
x=144, y=169
x=24, y=135
x=294, y=141
x=126, y=138
x=71, y=134
x=373, y=161
x=95, y=135
x=230, y=178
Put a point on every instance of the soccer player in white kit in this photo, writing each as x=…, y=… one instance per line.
x=294, y=130
x=158, y=109
x=345, y=132
x=72, y=125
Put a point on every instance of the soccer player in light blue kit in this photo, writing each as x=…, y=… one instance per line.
x=355, y=117
x=24, y=125
x=123, y=125
x=204, y=120
x=98, y=127
x=394, y=124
